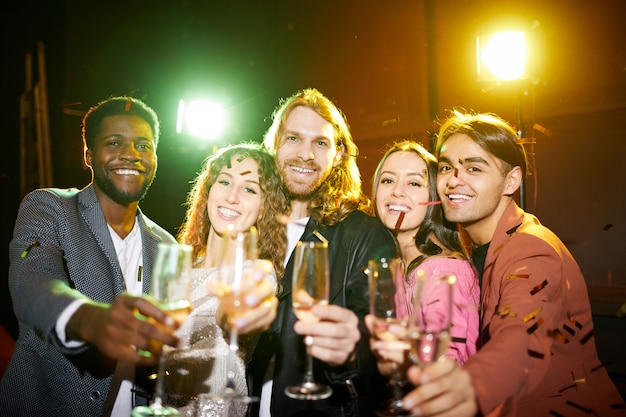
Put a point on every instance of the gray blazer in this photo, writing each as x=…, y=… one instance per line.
x=62, y=251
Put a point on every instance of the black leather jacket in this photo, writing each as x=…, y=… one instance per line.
x=357, y=386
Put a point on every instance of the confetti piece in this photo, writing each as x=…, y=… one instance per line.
x=320, y=236
x=532, y=315
x=539, y=287
x=535, y=354
x=513, y=229
x=399, y=222
x=513, y=276
x=535, y=326
x=575, y=323
x=27, y=250
x=569, y=329
x=245, y=173
x=558, y=336
x=127, y=106
x=586, y=338
x=506, y=312
x=566, y=388
x=579, y=407
x=542, y=129
x=430, y=203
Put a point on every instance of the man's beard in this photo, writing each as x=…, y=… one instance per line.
x=117, y=195
x=300, y=190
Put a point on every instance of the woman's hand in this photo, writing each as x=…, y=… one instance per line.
x=259, y=299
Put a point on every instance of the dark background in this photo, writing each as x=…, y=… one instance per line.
x=394, y=67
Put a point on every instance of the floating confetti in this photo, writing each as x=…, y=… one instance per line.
x=569, y=329
x=575, y=323
x=542, y=129
x=535, y=326
x=27, y=250
x=586, y=338
x=579, y=407
x=558, y=336
x=513, y=276
x=513, y=229
x=320, y=236
x=532, y=315
x=506, y=312
x=539, y=287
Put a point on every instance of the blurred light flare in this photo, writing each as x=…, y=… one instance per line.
x=203, y=119
x=502, y=56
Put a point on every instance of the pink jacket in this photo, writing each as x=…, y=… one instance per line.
x=537, y=354
x=465, y=296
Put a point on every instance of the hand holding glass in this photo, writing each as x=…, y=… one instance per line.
x=310, y=287
x=171, y=291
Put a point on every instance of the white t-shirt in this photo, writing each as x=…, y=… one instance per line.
x=129, y=253
x=295, y=229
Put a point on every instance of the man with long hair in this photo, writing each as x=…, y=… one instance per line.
x=316, y=157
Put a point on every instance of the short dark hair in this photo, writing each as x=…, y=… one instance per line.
x=113, y=106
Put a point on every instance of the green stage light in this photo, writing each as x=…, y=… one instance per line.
x=203, y=119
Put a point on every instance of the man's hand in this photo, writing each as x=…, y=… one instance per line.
x=443, y=390
x=125, y=328
x=334, y=337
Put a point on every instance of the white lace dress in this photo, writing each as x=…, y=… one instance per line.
x=197, y=372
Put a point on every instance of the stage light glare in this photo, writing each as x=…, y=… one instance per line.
x=501, y=56
x=203, y=119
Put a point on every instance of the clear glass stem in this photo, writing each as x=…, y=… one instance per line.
x=160, y=382
x=308, y=374
x=397, y=388
x=233, y=348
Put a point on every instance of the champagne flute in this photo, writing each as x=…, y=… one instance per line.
x=311, y=284
x=429, y=328
x=388, y=306
x=235, y=279
x=171, y=291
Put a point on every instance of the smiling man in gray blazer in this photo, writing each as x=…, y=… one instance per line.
x=80, y=260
